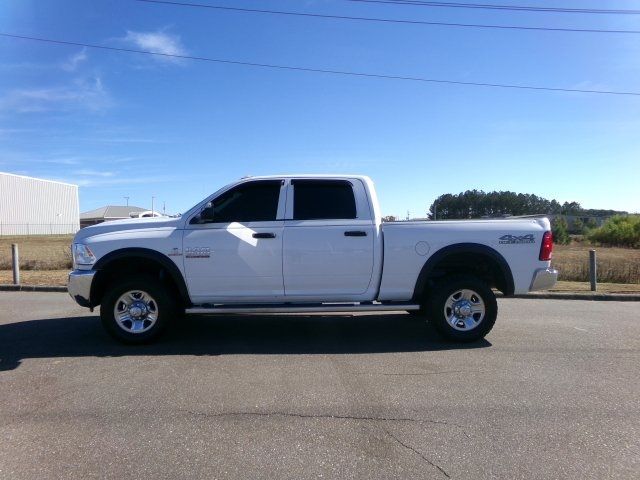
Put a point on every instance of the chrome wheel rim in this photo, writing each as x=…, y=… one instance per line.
x=136, y=311
x=464, y=310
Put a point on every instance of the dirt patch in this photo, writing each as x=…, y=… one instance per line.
x=40, y=277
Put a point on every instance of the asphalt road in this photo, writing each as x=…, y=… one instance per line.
x=552, y=393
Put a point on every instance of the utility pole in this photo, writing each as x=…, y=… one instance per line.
x=152, y=200
x=164, y=207
x=127, y=199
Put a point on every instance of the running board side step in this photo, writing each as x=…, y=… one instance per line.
x=302, y=308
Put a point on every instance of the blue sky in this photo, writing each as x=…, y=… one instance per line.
x=123, y=124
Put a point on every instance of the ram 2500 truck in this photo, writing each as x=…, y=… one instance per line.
x=304, y=243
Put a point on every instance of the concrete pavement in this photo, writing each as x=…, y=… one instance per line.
x=552, y=393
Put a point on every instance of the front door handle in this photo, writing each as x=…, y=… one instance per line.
x=355, y=233
x=264, y=235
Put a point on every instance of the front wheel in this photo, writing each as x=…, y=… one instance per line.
x=137, y=310
x=462, y=308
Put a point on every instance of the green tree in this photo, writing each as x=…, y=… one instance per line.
x=571, y=208
x=477, y=203
x=560, y=231
x=578, y=226
x=618, y=231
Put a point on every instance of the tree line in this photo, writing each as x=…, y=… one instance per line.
x=479, y=204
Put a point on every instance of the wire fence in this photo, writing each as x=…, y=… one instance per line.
x=18, y=229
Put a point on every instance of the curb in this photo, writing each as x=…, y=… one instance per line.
x=32, y=288
x=599, y=297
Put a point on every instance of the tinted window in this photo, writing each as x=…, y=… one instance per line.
x=250, y=202
x=323, y=199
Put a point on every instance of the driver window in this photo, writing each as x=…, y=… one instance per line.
x=250, y=202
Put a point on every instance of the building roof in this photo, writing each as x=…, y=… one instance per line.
x=38, y=179
x=111, y=212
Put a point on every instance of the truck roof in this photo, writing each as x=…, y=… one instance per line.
x=307, y=175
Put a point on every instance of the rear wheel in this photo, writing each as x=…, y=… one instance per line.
x=137, y=310
x=462, y=308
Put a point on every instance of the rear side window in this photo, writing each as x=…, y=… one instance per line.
x=249, y=202
x=323, y=200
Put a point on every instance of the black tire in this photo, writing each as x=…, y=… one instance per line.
x=481, y=325
x=162, y=303
x=418, y=315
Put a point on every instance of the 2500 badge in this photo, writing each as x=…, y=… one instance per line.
x=197, y=252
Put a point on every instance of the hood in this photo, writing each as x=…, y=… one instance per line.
x=128, y=224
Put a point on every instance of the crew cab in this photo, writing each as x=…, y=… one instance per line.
x=305, y=243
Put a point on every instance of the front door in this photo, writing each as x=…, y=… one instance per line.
x=233, y=249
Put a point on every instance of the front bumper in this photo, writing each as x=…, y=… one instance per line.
x=80, y=286
x=544, y=279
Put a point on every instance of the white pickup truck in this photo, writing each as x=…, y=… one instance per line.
x=304, y=243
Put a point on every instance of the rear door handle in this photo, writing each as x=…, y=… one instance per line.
x=355, y=233
x=264, y=235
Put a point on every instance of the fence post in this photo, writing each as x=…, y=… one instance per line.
x=593, y=272
x=15, y=262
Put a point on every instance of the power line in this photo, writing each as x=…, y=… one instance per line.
x=382, y=20
x=517, y=8
x=321, y=70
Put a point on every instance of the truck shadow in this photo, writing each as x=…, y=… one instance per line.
x=230, y=335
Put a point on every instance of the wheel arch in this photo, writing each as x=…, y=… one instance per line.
x=454, y=259
x=137, y=260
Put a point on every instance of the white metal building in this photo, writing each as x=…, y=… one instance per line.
x=34, y=206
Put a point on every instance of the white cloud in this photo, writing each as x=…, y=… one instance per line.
x=94, y=173
x=74, y=60
x=63, y=161
x=157, y=42
x=80, y=94
x=116, y=180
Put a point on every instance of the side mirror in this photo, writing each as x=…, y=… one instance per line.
x=206, y=215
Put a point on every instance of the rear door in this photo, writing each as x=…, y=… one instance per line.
x=328, y=239
x=237, y=254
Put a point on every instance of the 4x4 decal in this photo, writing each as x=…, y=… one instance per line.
x=514, y=239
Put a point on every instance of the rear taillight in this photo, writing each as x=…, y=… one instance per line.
x=546, y=249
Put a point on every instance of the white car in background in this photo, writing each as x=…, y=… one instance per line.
x=146, y=214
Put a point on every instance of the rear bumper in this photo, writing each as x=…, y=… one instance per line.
x=544, y=279
x=79, y=286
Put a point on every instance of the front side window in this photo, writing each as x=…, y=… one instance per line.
x=323, y=200
x=250, y=202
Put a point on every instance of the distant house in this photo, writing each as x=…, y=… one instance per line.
x=109, y=212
